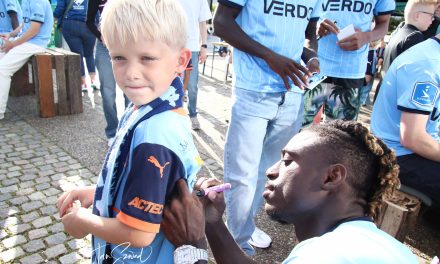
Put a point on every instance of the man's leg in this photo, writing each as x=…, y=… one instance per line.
x=280, y=130
x=10, y=63
x=342, y=102
x=250, y=114
x=193, y=85
x=421, y=174
x=108, y=89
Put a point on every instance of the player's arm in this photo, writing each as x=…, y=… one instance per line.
x=79, y=222
x=309, y=55
x=414, y=136
x=359, y=39
x=32, y=31
x=14, y=19
x=227, y=28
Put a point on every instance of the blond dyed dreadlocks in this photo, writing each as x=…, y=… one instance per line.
x=372, y=167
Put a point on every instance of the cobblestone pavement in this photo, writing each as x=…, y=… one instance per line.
x=41, y=158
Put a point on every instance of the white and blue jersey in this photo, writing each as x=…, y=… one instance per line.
x=7, y=6
x=161, y=152
x=39, y=11
x=410, y=85
x=279, y=25
x=334, y=61
x=359, y=242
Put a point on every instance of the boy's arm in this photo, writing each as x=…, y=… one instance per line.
x=79, y=222
x=33, y=30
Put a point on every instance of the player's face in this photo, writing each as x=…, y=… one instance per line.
x=294, y=187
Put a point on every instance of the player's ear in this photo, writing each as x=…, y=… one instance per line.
x=184, y=57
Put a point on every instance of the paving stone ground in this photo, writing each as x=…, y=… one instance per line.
x=41, y=158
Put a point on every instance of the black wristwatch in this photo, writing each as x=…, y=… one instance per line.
x=204, y=46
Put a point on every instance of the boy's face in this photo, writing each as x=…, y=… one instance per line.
x=145, y=69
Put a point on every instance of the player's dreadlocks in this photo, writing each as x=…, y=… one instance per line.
x=372, y=168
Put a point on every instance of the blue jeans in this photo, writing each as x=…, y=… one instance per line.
x=108, y=89
x=261, y=124
x=193, y=85
x=80, y=40
x=365, y=92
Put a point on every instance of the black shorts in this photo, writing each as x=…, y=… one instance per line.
x=421, y=174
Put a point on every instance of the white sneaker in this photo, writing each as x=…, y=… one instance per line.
x=260, y=239
x=2, y=115
x=110, y=141
x=195, y=123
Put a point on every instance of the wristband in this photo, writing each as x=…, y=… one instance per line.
x=313, y=58
x=204, y=46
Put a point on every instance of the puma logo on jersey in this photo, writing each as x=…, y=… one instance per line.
x=156, y=163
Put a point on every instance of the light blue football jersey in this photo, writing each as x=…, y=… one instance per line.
x=279, y=25
x=334, y=61
x=410, y=85
x=38, y=11
x=5, y=21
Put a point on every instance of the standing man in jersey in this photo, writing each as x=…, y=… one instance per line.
x=344, y=61
x=406, y=116
x=197, y=13
x=10, y=15
x=20, y=44
x=267, y=105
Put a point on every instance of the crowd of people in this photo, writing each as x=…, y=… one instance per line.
x=332, y=178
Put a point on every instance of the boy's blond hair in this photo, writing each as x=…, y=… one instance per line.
x=412, y=5
x=157, y=20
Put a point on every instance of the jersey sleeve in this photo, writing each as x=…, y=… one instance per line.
x=384, y=7
x=151, y=179
x=233, y=3
x=417, y=90
x=37, y=12
x=11, y=6
x=317, y=11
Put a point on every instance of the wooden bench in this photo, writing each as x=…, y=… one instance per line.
x=399, y=214
x=55, y=77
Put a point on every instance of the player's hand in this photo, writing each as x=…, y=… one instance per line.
x=326, y=27
x=7, y=46
x=214, y=203
x=288, y=69
x=355, y=41
x=183, y=219
x=72, y=221
x=313, y=65
x=203, y=55
x=84, y=195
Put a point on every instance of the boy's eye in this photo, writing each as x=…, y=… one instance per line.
x=146, y=58
x=118, y=58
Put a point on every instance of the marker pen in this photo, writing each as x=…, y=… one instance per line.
x=218, y=188
x=319, y=37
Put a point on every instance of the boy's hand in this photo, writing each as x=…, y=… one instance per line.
x=84, y=195
x=313, y=65
x=73, y=221
x=7, y=46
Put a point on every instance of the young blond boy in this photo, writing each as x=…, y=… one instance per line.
x=153, y=147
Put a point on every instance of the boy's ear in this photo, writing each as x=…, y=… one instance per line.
x=184, y=57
